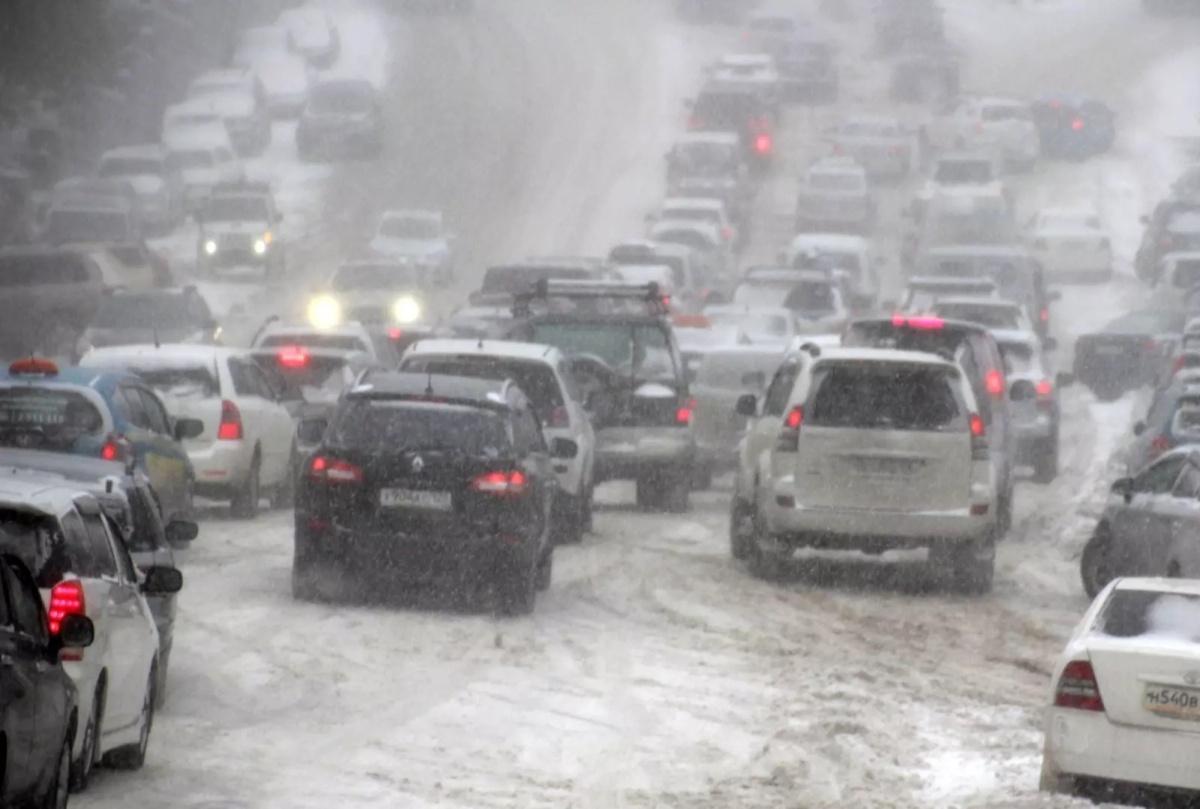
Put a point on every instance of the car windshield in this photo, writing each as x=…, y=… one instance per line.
x=34, y=417
x=704, y=158
x=951, y=172
x=640, y=351
x=144, y=312
x=883, y=396
x=129, y=167
x=1154, y=614
x=811, y=298
x=1018, y=358
x=179, y=382
x=37, y=541
x=867, y=129
x=535, y=379
x=236, y=209
x=1006, y=112
x=410, y=227
x=835, y=181
x=733, y=110
x=67, y=226
x=341, y=99
x=375, y=276
x=1186, y=273
x=388, y=425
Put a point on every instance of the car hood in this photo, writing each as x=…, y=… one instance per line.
x=235, y=228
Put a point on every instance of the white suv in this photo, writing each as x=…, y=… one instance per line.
x=869, y=450
x=1003, y=126
x=249, y=438
x=542, y=373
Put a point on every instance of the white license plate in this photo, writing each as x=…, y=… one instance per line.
x=411, y=498
x=1168, y=700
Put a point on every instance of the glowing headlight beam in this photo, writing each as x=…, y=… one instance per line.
x=210, y=247
x=324, y=312
x=260, y=247
x=406, y=310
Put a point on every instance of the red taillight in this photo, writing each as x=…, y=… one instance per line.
x=666, y=301
x=293, y=357
x=558, y=417
x=919, y=322
x=66, y=598
x=1077, y=688
x=111, y=451
x=727, y=233
x=795, y=418
x=683, y=413
x=1177, y=365
x=502, y=484
x=1044, y=315
x=762, y=144
x=993, y=383
x=837, y=149
x=1149, y=346
x=332, y=470
x=395, y=334
x=1158, y=445
x=789, y=437
x=978, y=430
x=1044, y=388
x=33, y=366
x=231, y=422
x=979, y=443
x=1077, y=124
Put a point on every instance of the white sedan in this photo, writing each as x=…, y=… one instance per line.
x=419, y=238
x=1124, y=709
x=1071, y=245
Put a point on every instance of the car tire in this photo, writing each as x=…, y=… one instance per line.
x=517, y=590
x=284, y=496
x=741, y=529
x=58, y=791
x=969, y=574
x=677, y=489
x=1045, y=465
x=764, y=565
x=568, y=519
x=244, y=505
x=81, y=770
x=133, y=756
x=702, y=476
x=1095, y=565
x=160, y=687
x=545, y=571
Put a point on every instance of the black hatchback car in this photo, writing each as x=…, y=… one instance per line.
x=423, y=478
x=1074, y=128
x=38, y=708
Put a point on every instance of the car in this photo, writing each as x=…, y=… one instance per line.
x=1003, y=126
x=158, y=190
x=170, y=315
x=762, y=326
x=721, y=107
x=722, y=376
x=48, y=294
x=239, y=228
x=881, y=145
x=834, y=196
x=696, y=336
x=704, y=237
x=632, y=378
x=975, y=350
x=502, y=282
x=81, y=567
x=1071, y=244
x=710, y=164
x=702, y=11
x=974, y=170
x=258, y=43
x=1169, y=421
x=98, y=192
x=692, y=280
x=807, y=67
x=1173, y=227
x=962, y=216
x=111, y=415
x=915, y=22
x=702, y=209
x=128, y=265
x=419, y=237
x=38, y=722
x=312, y=34
x=848, y=255
x=341, y=117
x=1120, y=716
x=127, y=497
x=201, y=165
x=773, y=24
x=755, y=71
x=1074, y=128
x=228, y=81
x=91, y=221
x=380, y=291
x=989, y=312
x=247, y=445
x=246, y=120
x=868, y=449
x=285, y=80
x=923, y=292
x=462, y=489
x=544, y=376
x=814, y=297
x=929, y=73
x=1128, y=352
x=195, y=121
x=1033, y=395
x=332, y=333
x=1178, y=274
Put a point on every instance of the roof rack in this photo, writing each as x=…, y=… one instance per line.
x=545, y=289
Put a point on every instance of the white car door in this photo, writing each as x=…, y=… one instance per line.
x=279, y=429
x=763, y=430
x=248, y=398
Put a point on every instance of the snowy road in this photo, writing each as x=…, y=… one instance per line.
x=655, y=672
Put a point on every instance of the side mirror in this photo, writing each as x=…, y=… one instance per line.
x=186, y=428
x=1123, y=487
x=1139, y=428
x=747, y=405
x=1022, y=391
x=162, y=581
x=563, y=449
x=181, y=532
x=311, y=431
x=76, y=632
x=1050, y=344
x=1064, y=379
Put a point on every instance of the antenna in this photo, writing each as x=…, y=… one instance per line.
x=429, y=385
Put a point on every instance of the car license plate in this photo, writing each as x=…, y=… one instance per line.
x=1176, y=703
x=412, y=498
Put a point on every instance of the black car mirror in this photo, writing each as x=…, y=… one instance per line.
x=1022, y=391
x=1123, y=487
x=186, y=428
x=1139, y=428
x=747, y=405
x=312, y=430
x=563, y=449
x=1064, y=379
x=76, y=632
x=181, y=532
x=162, y=581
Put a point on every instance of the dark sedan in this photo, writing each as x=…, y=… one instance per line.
x=1074, y=128
x=342, y=118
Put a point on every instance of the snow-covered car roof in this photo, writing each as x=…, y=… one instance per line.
x=167, y=355
x=694, y=203
x=38, y=494
x=1189, y=587
x=764, y=60
x=840, y=242
x=889, y=355
x=498, y=348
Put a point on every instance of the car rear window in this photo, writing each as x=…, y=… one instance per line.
x=1185, y=424
x=142, y=312
x=180, y=382
x=836, y=181
x=41, y=544
x=1018, y=357
x=46, y=418
x=389, y=425
x=732, y=109
x=884, y=396
x=66, y=226
x=536, y=379
x=1187, y=273
x=35, y=270
x=811, y=297
x=375, y=276
x=1149, y=613
x=641, y=350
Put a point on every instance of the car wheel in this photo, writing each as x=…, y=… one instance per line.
x=1095, y=566
x=676, y=491
x=59, y=789
x=81, y=770
x=765, y=565
x=285, y=492
x=702, y=475
x=133, y=756
x=545, y=571
x=971, y=565
x=741, y=529
x=1045, y=466
x=518, y=589
x=244, y=505
x=649, y=492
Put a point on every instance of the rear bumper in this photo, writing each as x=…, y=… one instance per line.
x=625, y=453
x=1086, y=744
x=220, y=467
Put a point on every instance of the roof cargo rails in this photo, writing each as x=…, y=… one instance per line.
x=544, y=290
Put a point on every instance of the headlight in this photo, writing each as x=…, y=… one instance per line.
x=406, y=309
x=210, y=247
x=260, y=247
x=324, y=312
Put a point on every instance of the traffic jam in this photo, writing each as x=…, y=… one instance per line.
x=723, y=403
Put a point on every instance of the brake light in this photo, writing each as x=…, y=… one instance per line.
x=1077, y=688
x=33, y=366
x=666, y=301
x=1044, y=315
x=230, y=428
x=993, y=383
x=558, y=417
x=394, y=334
x=683, y=414
x=293, y=357
x=919, y=322
x=1044, y=388
x=111, y=450
x=333, y=470
x=1077, y=124
x=501, y=484
x=795, y=418
x=978, y=430
x=789, y=436
x=727, y=233
x=1159, y=445
x=762, y=144
x=66, y=598
x=979, y=443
